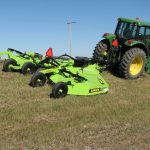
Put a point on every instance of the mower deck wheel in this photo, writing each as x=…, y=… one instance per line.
x=7, y=64
x=28, y=68
x=38, y=80
x=59, y=90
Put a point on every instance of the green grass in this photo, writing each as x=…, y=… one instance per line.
x=30, y=119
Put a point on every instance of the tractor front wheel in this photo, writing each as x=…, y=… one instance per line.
x=133, y=63
x=38, y=80
x=28, y=68
x=59, y=90
x=7, y=65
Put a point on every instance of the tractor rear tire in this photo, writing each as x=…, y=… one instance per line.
x=59, y=90
x=7, y=63
x=133, y=63
x=28, y=68
x=100, y=52
x=38, y=80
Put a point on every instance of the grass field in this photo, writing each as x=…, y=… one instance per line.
x=119, y=120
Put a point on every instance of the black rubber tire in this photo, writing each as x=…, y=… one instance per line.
x=128, y=57
x=7, y=63
x=38, y=80
x=28, y=68
x=101, y=47
x=56, y=93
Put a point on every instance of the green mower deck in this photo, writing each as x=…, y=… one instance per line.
x=23, y=62
x=77, y=77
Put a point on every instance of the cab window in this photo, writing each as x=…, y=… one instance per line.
x=147, y=33
x=142, y=31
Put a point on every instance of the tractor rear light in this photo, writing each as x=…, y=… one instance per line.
x=106, y=34
x=130, y=41
x=115, y=43
x=49, y=53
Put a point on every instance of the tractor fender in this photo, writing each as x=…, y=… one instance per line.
x=109, y=37
x=139, y=44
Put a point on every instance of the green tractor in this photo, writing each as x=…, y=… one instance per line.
x=128, y=48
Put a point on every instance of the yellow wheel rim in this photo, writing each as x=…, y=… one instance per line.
x=136, y=66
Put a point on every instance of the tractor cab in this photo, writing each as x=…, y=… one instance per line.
x=128, y=29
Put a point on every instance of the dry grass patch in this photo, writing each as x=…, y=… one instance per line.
x=30, y=119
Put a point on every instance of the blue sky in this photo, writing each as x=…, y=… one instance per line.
x=36, y=25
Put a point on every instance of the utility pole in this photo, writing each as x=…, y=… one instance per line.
x=70, y=32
